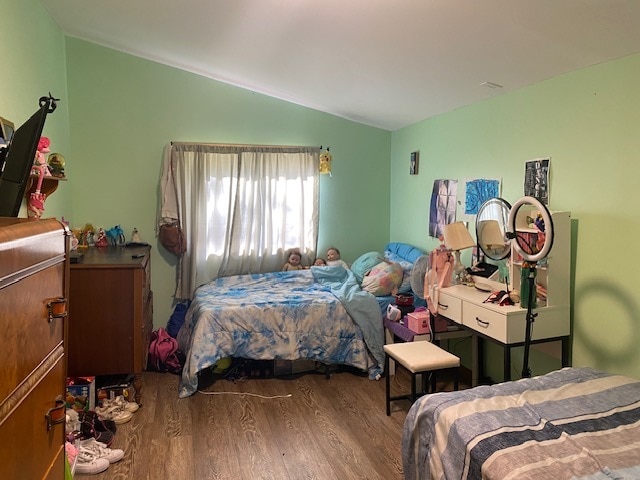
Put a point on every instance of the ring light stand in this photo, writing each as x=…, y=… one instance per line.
x=531, y=255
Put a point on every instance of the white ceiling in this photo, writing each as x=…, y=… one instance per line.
x=384, y=63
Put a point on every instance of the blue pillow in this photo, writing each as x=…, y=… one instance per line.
x=364, y=263
x=405, y=251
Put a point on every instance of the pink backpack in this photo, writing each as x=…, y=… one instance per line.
x=164, y=355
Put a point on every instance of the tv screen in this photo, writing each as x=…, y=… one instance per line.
x=15, y=167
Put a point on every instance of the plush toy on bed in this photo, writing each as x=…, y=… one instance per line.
x=293, y=260
x=333, y=258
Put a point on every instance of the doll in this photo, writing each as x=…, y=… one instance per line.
x=320, y=262
x=293, y=261
x=102, y=240
x=40, y=164
x=333, y=258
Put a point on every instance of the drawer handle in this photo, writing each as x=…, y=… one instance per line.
x=56, y=415
x=482, y=323
x=443, y=306
x=57, y=308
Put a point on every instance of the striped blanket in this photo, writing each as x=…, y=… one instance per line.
x=574, y=423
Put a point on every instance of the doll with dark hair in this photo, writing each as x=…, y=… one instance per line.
x=293, y=260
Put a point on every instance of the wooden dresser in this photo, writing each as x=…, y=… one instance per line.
x=34, y=273
x=111, y=312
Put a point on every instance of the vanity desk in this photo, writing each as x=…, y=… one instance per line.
x=504, y=325
x=507, y=325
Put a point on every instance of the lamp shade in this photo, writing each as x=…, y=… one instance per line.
x=492, y=235
x=457, y=237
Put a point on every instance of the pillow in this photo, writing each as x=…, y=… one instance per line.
x=405, y=286
x=365, y=263
x=383, y=279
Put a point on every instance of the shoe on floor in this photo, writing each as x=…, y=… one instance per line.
x=121, y=402
x=114, y=413
x=88, y=463
x=100, y=450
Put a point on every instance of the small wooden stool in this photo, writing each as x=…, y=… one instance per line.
x=419, y=358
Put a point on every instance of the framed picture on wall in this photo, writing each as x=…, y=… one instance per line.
x=413, y=166
x=6, y=129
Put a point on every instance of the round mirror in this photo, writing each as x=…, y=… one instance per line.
x=491, y=228
x=532, y=228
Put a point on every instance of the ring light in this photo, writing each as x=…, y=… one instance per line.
x=529, y=252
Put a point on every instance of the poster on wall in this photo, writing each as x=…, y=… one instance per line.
x=536, y=179
x=476, y=191
x=443, y=205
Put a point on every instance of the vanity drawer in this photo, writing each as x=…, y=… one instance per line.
x=485, y=321
x=450, y=307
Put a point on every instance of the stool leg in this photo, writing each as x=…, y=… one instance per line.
x=413, y=387
x=433, y=382
x=387, y=384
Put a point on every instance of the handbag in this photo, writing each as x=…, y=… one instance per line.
x=172, y=238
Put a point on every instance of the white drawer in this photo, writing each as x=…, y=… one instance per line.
x=485, y=321
x=450, y=307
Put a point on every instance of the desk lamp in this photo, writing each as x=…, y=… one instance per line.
x=457, y=238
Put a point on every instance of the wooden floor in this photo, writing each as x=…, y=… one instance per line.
x=298, y=427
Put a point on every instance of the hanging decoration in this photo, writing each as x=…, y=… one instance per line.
x=325, y=161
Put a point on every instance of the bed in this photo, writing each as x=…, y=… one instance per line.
x=574, y=423
x=317, y=314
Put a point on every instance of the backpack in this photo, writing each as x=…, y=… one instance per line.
x=164, y=355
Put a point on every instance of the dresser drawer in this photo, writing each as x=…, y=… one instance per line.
x=450, y=307
x=485, y=321
x=30, y=450
x=27, y=334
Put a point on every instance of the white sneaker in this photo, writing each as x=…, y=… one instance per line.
x=123, y=403
x=100, y=450
x=115, y=413
x=87, y=462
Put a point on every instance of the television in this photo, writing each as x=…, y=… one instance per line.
x=17, y=159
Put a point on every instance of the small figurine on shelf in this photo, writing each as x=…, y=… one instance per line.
x=116, y=236
x=56, y=165
x=88, y=235
x=40, y=163
x=135, y=236
x=102, y=240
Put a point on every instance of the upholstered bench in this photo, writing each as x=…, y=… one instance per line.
x=419, y=358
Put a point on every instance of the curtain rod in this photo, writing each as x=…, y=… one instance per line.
x=245, y=145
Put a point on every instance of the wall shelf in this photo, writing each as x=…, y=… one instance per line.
x=49, y=184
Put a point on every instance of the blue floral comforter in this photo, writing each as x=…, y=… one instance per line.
x=318, y=314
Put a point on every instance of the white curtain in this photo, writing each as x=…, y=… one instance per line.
x=241, y=208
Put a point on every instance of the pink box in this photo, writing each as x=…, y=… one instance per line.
x=418, y=321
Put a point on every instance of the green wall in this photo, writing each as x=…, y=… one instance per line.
x=33, y=64
x=588, y=122
x=124, y=110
